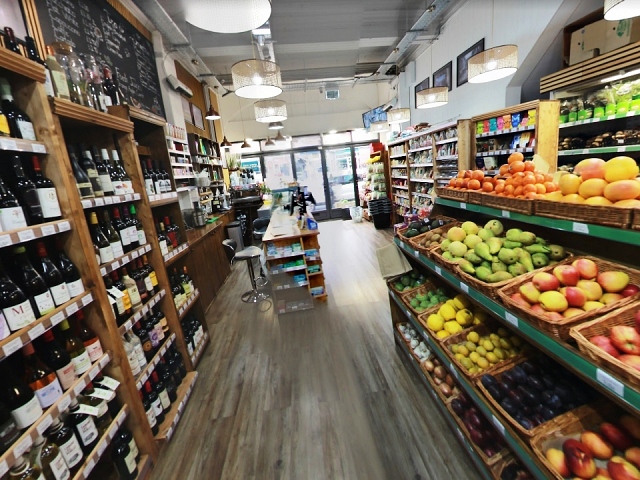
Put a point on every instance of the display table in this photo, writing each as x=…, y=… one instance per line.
x=294, y=264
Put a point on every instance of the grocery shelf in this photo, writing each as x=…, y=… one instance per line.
x=401, y=196
x=163, y=199
x=631, y=237
x=109, y=200
x=587, y=121
x=168, y=427
x=401, y=187
x=420, y=149
x=124, y=259
x=25, y=335
x=21, y=235
x=151, y=366
x=505, y=152
x=447, y=157
x=67, y=110
x=31, y=433
x=505, y=130
x=416, y=165
x=286, y=255
x=287, y=286
x=426, y=195
x=182, y=311
x=444, y=413
x=21, y=65
x=563, y=353
x=178, y=164
x=448, y=140
x=424, y=180
x=176, y=253
x=126, y=326
x=600, y=150
x=183, y=177
x=398, y=177
x=93, y=457
x=399, y=155
x=178, y=152
x=276, y=271
x=315, y=273
x=20, y=145
x=195, y=358
x=177, y=140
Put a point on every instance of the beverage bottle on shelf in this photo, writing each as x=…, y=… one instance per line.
x=146, y=279
x=16, y=307
x=58, y=359
x=5, y=131
x=161, y=391
x=101, y=382
x=114, y=175
x=138, y=276
x=124, y=460
x=46, y=455
x=84, y=427
x=111, y=234
x=148, y=180
x=75, y=348
x=11, y=213
x=9, y=432
x=85, y=188
x=89, y=339
x=110, y=89
x=94, y=78
x=19, y=399
x=123, y=230
x=177, y=291
x=115, y=300
x=103, y=172
x=125, y=435
x=125, y=181
x=151, y=414
x=32, y=53
x=186, y=281
x=52, y=276
x=176, y=229
x=182, y=370
x=155, y=402
x=188, y=339
x=93, y=399
x=164, y=373
x=40, y=378
x=19, y=123
x=68, y=444
x=152, y=282
x=163, y=241
x=137, y=348
x=156, y=321
x=132, y=288
x=148, y=325
x=170, y=232
x=156, y=177
x=131, y=357
x=26, y=192
x=145, y=340
x=116, y=83
x=166, y=180
x=58, y=75
x=142, y=237
x=90, y=168
x=162, y=319
x=46, y=192
x=23, y=470
x=69, y=271
x=10, y=41
x=132, y=229
x=32, y=283
x=126, y=299
x=99, y=240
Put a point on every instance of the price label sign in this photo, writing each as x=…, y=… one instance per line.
x=38, y=148
x=11, y=347
x=44, y=424
x=26, y=235
x=71, y=309
x=464, y=287
x=8, y=145
x=506, y=213
x=438, y=270
x=5, y=240
x=22, y=447
x=57, y=318
x=511, y=318
x=498, y=424
x=98, y=201
x=621, y=149
x=86, y=203
x=580, y=228
x=416, y=253
x=463, y=205
x=36, y=331
x=613, y=384
x=47, y=230
x=108, y=200
x=64, y=226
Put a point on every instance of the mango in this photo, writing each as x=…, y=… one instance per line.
x=553, y=301
x=598, y=201
x=554, y=196
x=594, y=187
x=620, y=168
x=456, y=234
x=572, y=198
x=613, y=282
x=622, y=190
x=632, y=203
x=569, y=184
x=590, y=168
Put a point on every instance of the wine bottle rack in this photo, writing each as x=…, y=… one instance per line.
x=168, y=427
x=110, y=200
x=126, y=326
x=22, y=146
x=195, y=358
x=151, y=366
x=175, y=254
x=163, y=199
x=182, y=311
x=26, y=234
x=124, y=259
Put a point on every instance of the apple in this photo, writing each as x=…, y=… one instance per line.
x=579, y=458
x=620, y=469
x=632, y=425
x=529, y=292
x=605, y=344
x=567, y=274
x=598, y=446
x=616, y=436
x=592, y=289
x=537, y=309
x=545, y=282
x=632, y=361
x=637, y=321
x=576, y=297
x=554, y=316
x=592, y=305
x=553, y=301
x=608, y=298
x=572, y=312
x=613, y=282
x=626, y=339
x=557, y=460
x=630, y=290
x=520, y=300
x=632, y=455
x=602, y=474
x=587, y=268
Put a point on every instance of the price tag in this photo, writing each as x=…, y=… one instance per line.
x=103, y=271
x=581, y=227
x=110, y=383
x=438, y=270
x=98, y=202
x=65, y=401
x=108, y=200
x=88, y=467
x=506, y=213
x=416, y=253
x=12, y=346
x=79, y=387
x=36, y=331
x=22, y=447
x=616, y=386
x=611, y=117
x=88, y=409
x=64, y=226
x=621, y=149
x=579, y=122
x=38, y=148
x=511, y=318
x=463, y=205
x=101, y=448
x=115, y=265
x=4, y=468
x=44, y=424
x=585, y=151
x=631, y=113
x=86, y=203
x=71, y=309
x=8, y=144
x=5, y=240
x=464, y=287
x=104, y=360
x=56, y=319
x=94, y=371
x=48, y=230
x=128, y=325
x=87, y=299
x=26, y=235
x=453, y=370
x=136, y=196
x=104, y=394
x=128, y=197
x=134, y=254
x=125, y=259
x=498, y=424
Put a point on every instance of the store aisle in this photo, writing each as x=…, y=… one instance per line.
x=321, y=394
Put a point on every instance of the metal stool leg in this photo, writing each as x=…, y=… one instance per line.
x=253, y=296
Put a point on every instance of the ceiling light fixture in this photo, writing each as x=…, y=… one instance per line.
x=432, y=97
x=255, y=78
x=212, y=114
x=268, y=111
x=269, y=142
x=227, y=16
x=620, y=76
x=279, y=137
x=245, y=144
x=276, y=126
x=332, y=132
x=621, y=9
x=399, y=115
x=379, y=127
x=225, y=143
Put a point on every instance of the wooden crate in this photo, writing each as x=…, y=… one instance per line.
x=452, y=194
x=610, y=216
x=518, y=205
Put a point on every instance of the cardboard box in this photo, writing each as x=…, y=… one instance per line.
x=619, y=34
x=602, y=37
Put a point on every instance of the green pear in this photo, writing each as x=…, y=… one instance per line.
x=470, y=228
x=495, y=244
x=472, y=240
x=472, y=257
x=498, y=266
x=499, y=277
x=516, y=269
x=495, y=226
x=485, y=233
x=556, y=252
x=507, y=256
x=457, y=249
x=483, y=272
x=513, y=234
x=466, y=266
x=539, y=260
x=482, y=250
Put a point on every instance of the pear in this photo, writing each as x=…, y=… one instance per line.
x=556, y=252
x=507, y=256
x=539, y=260
x=466, y=266
x=513, y=234
x=482, y=250
x=516, y=269
x=483, y=272
x=498, y=266
x=472, y=257
x=524, y=258
x=457, y=249
x=495, y=226
x=485, y=233
x=495, y=244
x=470, y=228
x=472, y=240
x=499, y=277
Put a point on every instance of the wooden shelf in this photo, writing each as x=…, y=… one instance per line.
x=277, y=271
x=140, y=114
x=110, y=200
x=175, y=254
x=184, y=309
x=144, y=151
x=177, y=140
x=287, y=286
x=88, y=116
x=9, y=144
x=448, y=140
x=179, y=152
x=163, y=199
x=178, y=164
x=151, y=366
x=505, y=131
x=145, y=465
x=124, y=259
x=195, y=358
x=26, y=234
x=21, y=65
x=184, y=177
x=126, y=326
x=420, y=149
x=168, y=427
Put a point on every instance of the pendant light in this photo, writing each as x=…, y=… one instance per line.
x=245, y=144
x=494, y=63
x=621, y=9
x=432, y=97
x=227, y=16
x=269, y=142
x=225, y=143
x=272, y=110
x=379, y=127
x=256, y=78
x=276, y=126
x=212, y=114
x=279, y=137
x=398, y=115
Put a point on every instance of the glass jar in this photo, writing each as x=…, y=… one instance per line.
x=74, y=71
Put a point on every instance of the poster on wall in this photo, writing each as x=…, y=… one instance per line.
x=442, y=77
x=186, y=110
x=423, y=85
x=196, y=113
x=462, y=67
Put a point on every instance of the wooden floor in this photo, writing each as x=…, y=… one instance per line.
x=321, y=394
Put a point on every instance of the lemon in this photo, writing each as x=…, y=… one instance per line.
x=464, y=317
x=473, y=370
x=447, y=312
x=435, y=322
x=459, y=356
x=452, y=327
x=488, y=346
x=470, y=346
x=462, y=350
x=492, y=357
x=505, y=343
x=461, y=302
x=480, y=316
x=483, y=363
x=451, y=303
x=442, y=334
x=494, y=336
x=466, y=363
x=481, y=351
x=474, y=356
x=473, y=337
x=498, y=352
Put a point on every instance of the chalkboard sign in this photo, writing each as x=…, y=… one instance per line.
x=95, y=27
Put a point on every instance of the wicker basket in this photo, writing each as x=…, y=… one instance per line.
x=635, y=219
x=436, y=253
x=547, y=426
x=452, y=194
x=611, y=216
x=427, y=286
x=560, y=328
x=408, y=344
x=498, y=468
x=519, y=205
x=601, y=326
x=435, y=387
x=392, y=281
x=415, y=241
x=475, y=197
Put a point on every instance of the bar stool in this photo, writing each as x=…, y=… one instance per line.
x=248, y=255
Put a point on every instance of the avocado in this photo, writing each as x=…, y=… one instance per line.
x=412, y=232
x=415, y=226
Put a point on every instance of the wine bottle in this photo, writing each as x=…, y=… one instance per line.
x=123, y=230
x=33, y=55
x=132, y=288
x=166, y=180
x=161, y=391
x=23, y=470
x=112, y=235
x=58, y=75
x=151, y=275
x=131, y=357
x=9, y=432
x=52, y=276
x=99, y=240
x=46, y=455
x=19, y=398
x=32, y=283
x=154, y=400
x=107, y=386
x=94, y=75
x=187, y=283
x=10, y=41
x=58, y=359
x=5, y=131
x=157, y=179
x=116, y=83
x=40, y=378
x=163, y=241
x=126, y=299
x=139, y=275
x=69, y=271
x=142, y=237
x=67, y=442
x=137, y=348
x=83, y=182
x=114, y=176
x=11, y=213
x=75, y=348
x=170, y=233
x=124, y=178
x=90, y=168
x=151, y=415
x=174, y=368
x=103, y=172
x=155, y=320
x=89, y=339
x=124, y=435
x=167, y=379
x=147, y=324
x=163, y=322
x=46, y=192
x=16, y=307
x=145, y=340
x=26, y=192
x=125, y=461
x=93, y=399
x=19, y=123
x=148, y=178
x=109, y=87
x=181, y=368
x=84, y=427
x=131, y=228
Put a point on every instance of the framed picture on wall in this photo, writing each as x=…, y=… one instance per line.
x=186, y=110
x=198, y=121
x=462, y=67
x=442, y=76
x=418, y=88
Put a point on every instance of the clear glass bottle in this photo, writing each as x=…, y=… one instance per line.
x=73, y=69
x=58, y=75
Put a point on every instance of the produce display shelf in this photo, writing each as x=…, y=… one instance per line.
x=287, y=255
x=126, y=326
x=109, y=200
x=417, y=165
x=400, y=187
x=425, y=195
x=632, y=237
x=67, y=110
x=197, y=354
x=20, y=145
x=447, y=157
x=399, y=177
x=424, y=180
x=163, y=199
x=599, y=150
x=505, y=130
x=178, y=164
x=276, y=271
x=178, y=152
x=563, y=353
x=93, y=457
x=31, y=433
x=175, y=254
x=25, y=335
x=399, y=166
x=21, y=235
x=587, y=121
x=182, y=311
x=447, y=140
x=287, y=286
x=168, y=427
x=124, y=259
x=151, y=366
x=397, y=155
x=420, y=149
x=505, y=152
x=444, y=413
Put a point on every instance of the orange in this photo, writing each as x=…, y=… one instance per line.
x=540, y=188
x=528, y=180
x=465, y=182
x=518, y=190
x=517, y=181
x=529, y=188
x=509, y=181
x=550, y=186
x=508, y=190
x=487, y=187
x=515, y=157
x=503, y=169
x=474, y=184
x=499, y=188
x=540, y=178
x=461, y=173
x=529, y=166
x=467, y=174
x=548, y=177
x=530, y=195
x=452, y=182
x=459, y=182
x=477, y=174
x=517, y=166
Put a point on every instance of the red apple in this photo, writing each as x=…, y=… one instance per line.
x=567, y=274
x=545, y=282
x=519, y=299
x=632, y=361
x=576, y=297
x=529, y=292
x=587, y=268
x=537, y=309
x=637, y=321
x=579, y=458
x=630, y=291
x=557, y=459
x=616, y=436
x=632, y=455
x=554, y=316
x=597, y=445
x=626, y=339
x=605, y=344
x=620, y=469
